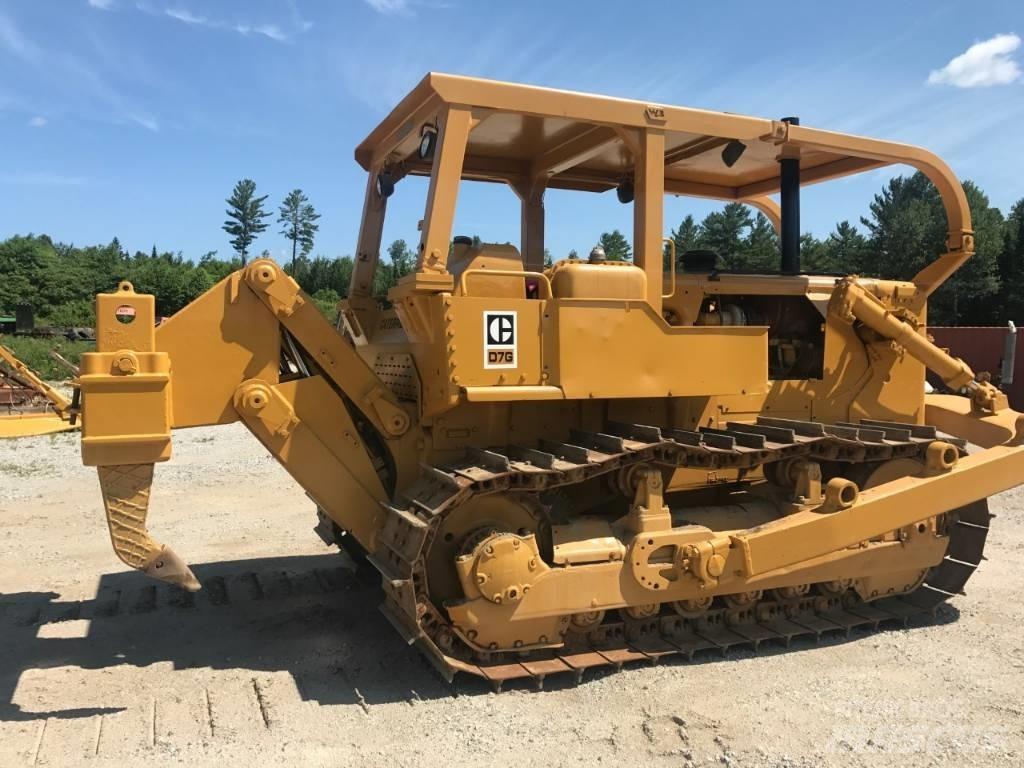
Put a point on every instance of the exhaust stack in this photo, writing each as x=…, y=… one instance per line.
x=789, y=188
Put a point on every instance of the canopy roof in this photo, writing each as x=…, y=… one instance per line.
x=582, y=141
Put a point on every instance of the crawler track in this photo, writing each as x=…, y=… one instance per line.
x=412, y=523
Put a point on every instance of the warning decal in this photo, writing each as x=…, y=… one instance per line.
x=125, y=313
x=500, y=334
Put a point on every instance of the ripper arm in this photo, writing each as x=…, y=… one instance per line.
x=220, y=360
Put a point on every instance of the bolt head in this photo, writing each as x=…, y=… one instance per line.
x=126, y=364
x=266, y=274
x=716, y=565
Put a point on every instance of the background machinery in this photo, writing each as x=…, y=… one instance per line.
x=28, y=405
x=554, y=469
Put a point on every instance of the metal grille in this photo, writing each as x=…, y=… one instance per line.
x=398, y=372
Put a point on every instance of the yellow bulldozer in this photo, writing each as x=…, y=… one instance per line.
x=560, y=468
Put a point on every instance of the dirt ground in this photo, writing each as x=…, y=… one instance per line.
x=283, y=659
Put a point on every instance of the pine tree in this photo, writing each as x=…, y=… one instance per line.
x=908, y=230
x=299, y=219
x=245, y=217
x=966, y=298
x=1011, y=266
x=686, y=236
x=760, y=250
x=616, y=246
x=724, y=232
x=403, y=261
x=842, y=252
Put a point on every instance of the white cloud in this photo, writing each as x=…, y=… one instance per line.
x=301, y=24
x=146, y=122
x=79, y=82
x=37, y=122
x=983, y=64
x=103, y=5
x=182, y=14
x=271, y=31
x=16, y=43
x=390, y=7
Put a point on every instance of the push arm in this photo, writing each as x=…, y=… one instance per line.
x=852, y=302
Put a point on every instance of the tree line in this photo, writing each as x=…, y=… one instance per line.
x=905, y=228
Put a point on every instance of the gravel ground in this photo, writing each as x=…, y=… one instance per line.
x=283, y=658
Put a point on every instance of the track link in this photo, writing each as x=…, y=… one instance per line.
x=415, y=518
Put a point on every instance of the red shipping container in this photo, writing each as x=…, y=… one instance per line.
x=983, y=348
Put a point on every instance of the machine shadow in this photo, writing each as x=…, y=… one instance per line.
x=310, y=616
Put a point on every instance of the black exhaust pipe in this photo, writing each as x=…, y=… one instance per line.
x=789, y=188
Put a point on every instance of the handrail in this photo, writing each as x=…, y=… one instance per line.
x=672, y=267
x=463, y=283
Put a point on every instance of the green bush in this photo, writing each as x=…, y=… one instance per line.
x=326, y=300
x=35, y=353
x=75, y=313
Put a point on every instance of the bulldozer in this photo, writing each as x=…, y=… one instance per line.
x=559, y=468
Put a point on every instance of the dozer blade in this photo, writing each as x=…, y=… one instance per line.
x=32, y=424
x=125, y=490
x=39, y=409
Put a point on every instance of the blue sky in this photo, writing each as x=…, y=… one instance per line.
x=134, y=118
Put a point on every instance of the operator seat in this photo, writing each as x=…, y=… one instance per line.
x=487, y=256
